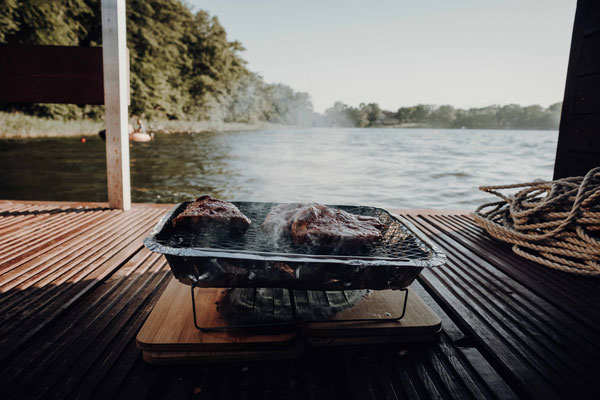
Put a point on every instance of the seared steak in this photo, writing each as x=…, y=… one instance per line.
x=323, y=228
x=208, y=213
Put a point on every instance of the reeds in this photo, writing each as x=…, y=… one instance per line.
x=17, y=125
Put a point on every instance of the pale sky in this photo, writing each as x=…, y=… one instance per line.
x=466, y=53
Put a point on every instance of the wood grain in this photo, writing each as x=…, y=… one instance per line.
x=295, y=349
x=170, y=327
x=116, y=95
x=420, y=323
x=169, y=331
x=72, y=307
x=514, y=327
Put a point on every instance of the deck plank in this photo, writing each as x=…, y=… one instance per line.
x=76, y=285
x=580, y=294
x=543, y=350
x=81, y=248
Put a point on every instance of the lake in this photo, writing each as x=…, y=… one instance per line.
x=405, y=168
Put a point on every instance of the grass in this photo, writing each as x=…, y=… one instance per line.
x=17, y=125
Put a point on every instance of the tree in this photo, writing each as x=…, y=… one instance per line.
x=374, y=113
x=340, y=115
x=8, y=23
x=443, y=116
x=182, y=64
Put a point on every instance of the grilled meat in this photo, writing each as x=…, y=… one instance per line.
x=208, y=213
x=323, y=228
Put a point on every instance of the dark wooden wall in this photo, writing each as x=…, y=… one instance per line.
x=579, y=135
x=51, y=74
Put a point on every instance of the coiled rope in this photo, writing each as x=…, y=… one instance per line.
x=554, y=223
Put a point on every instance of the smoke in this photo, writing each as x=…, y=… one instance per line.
x=320, y=228
x=278, y=222
x=251, y=100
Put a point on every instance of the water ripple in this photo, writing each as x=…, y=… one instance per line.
x=418, y=168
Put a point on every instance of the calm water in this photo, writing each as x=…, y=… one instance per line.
x=405, y=168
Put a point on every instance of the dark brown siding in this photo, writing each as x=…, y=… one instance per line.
x=579, y=138
x=51, y=74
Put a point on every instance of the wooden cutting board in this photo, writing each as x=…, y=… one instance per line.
x=419, y=324
x=193, y=357
x=170, y=326
x=170, y=337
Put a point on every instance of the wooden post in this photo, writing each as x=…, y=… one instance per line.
x=116, y=92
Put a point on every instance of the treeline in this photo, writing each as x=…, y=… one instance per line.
x=510, y=116
x=182, y=65
x=365, y=115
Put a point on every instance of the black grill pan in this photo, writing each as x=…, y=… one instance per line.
x=211, y=259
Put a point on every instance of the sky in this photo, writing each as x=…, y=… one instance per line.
x=466, y=53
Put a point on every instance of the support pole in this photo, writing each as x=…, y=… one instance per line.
x=116, y=92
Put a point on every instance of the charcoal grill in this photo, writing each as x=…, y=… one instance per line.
x=257, y=260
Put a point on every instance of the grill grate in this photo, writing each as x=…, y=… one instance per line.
x=398, y=242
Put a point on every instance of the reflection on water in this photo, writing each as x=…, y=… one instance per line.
x=382, y=167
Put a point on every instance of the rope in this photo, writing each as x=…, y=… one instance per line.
x=553, y=223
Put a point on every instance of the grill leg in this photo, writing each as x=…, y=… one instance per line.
x=194, y=309
x=294, y=322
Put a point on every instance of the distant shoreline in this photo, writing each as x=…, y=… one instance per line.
x=21, y=126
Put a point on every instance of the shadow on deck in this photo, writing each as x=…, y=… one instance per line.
x=75, y=288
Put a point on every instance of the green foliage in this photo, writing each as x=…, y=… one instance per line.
x=182, y=66
x=510, y=116
x=18, y=125
x=493, y=117
x=8, y=23
x=43, y=21
x=364, y=115
x=286, y=106
x=340, y=115
x=415, y=114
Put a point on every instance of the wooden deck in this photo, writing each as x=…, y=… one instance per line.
x=76, y=285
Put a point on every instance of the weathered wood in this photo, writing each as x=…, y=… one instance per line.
x=474, y=246
x=72, y=346
x=420, y=324
x=170, y=337
x=23, y=316
x=513, y=327
x=86, y=205
x=51, y=74
x=170, y=327
x=580, y=295
x=203, y=357
x=70, y=315
x=116, y=95
x=579, y=131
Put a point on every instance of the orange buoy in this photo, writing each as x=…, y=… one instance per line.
x=83, y=140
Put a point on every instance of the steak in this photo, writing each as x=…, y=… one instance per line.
x=323, y=228
x=208, y=213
